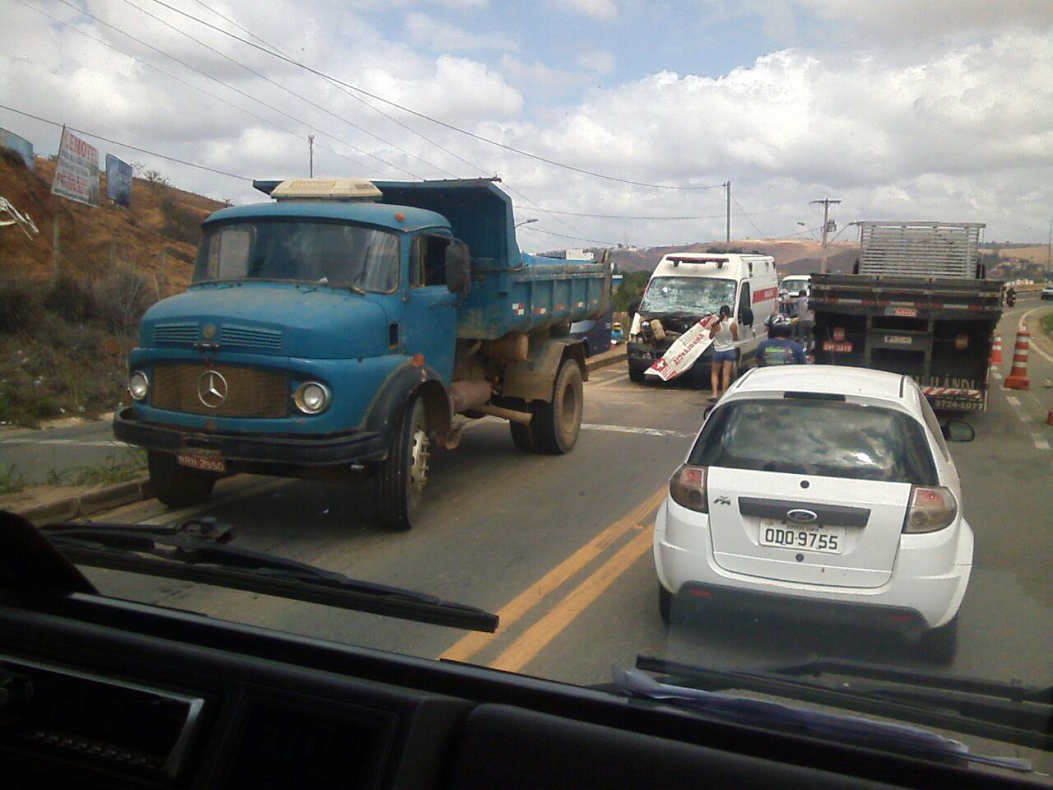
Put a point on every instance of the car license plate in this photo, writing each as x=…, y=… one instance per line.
x=838, y=347
x=827, y=540
x=206, y=463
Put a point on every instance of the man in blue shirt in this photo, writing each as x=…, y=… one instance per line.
x=778, y=349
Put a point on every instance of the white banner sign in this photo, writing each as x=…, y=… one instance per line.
x=685, y=350
x=77, y=173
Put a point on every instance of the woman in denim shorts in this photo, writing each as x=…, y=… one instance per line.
x=724, y=333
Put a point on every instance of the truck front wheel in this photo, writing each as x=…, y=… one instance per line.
x=175, y=485
x=558, y=423
x=403, y=475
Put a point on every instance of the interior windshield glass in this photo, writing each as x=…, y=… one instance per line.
x=829, y=438
x=692, y=295
x=332, y=253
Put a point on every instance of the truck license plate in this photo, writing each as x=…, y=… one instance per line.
x=827, y=540
x=840, y=347
x=206, y=463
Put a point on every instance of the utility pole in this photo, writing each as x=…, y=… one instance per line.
x=827, y=202
x=727, y=236
x=310, y=153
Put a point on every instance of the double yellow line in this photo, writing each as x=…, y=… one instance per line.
x=526, y=646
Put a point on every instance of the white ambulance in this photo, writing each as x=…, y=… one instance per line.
x=684, y=288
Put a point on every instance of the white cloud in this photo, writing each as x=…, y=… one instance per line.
x=463, y=3
x=442, y=36
x=597, y=9
x=597, y=61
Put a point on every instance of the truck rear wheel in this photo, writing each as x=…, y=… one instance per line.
x=175, y=485
x=403, y=475
x=524, y=437
x=557, y=424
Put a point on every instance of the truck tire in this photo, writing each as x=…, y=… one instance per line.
x=404, y=473
x=175, y=485
x=524, y=437
x=557, y=424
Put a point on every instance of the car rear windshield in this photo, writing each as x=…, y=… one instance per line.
x=817, y=437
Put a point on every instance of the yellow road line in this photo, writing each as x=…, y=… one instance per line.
x=534, y=639
x=471, y=644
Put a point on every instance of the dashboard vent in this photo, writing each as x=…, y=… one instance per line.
x=288, y=747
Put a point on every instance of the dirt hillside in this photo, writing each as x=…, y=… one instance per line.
x=162, y=224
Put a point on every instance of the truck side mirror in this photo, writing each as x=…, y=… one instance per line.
x=458, y=268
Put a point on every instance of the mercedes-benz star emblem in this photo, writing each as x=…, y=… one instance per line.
x=212, y=389
x=802, y=516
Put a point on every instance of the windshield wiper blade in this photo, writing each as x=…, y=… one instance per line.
x=196, y=551
x=1000, y=711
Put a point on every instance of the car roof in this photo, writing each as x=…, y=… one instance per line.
x=828, y=380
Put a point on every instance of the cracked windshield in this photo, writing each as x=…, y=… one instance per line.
x=696, y=336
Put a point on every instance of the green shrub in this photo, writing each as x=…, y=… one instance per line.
x=71, y=299
x=19, y=305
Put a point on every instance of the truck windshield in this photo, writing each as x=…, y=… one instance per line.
x=331, y=253
x=693, y=295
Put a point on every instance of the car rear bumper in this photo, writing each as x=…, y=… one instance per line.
x=919, y=594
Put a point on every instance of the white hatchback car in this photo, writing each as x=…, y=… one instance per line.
x=826, y=485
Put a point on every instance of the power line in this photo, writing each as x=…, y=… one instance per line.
x=629, y=216
x=126, y=145
x=574, y=238
x=291, y=93
x=351, y=94
x=228, y=87
x=747, y=216
x=426, y=117
x=182, y=81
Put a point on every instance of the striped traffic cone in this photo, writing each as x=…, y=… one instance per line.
x=1017, y=378
x=996, y=351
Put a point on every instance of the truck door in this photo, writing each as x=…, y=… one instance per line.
x=429, y=324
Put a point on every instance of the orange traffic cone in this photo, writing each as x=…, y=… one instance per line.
x=996, y=351
x=1017, y=378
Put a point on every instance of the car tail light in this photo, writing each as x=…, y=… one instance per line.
x=687, y=487
x=839, y=333
x=930, y=509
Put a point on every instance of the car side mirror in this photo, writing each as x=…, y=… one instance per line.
x=458, y=268
x=634, y=308
x=958, y=431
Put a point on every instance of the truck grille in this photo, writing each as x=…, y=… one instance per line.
x=250, y=337
x=249, y=392
x=183, y=332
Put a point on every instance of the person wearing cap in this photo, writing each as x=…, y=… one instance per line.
x=778, y=348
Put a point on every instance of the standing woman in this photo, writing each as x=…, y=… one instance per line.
x=724, y=334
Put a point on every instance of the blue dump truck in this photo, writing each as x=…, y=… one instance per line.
x=337, y=332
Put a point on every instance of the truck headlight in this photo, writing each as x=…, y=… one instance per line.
x=311, y=397
x=138, y=385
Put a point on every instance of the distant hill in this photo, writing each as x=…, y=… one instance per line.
x=792, y=256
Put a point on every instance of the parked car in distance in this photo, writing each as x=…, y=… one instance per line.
x=822, y=485
x=594, y=333
x=1047, y=292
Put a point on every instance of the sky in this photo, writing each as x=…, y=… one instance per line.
x=608, y=121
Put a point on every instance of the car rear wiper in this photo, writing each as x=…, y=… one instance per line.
x=196, y=551
x=1007, y=712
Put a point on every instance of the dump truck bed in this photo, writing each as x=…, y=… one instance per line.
x=511, y=291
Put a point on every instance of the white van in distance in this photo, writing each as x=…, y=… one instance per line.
x=688, y=286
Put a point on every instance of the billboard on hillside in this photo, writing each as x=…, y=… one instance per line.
x=118, y=180
x=19, y=144
x=77, y=173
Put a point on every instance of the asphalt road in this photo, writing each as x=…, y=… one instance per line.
x=561, y=547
